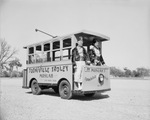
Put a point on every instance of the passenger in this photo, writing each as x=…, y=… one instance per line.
x=95, y=55
x=31, y=59
x=79, y=59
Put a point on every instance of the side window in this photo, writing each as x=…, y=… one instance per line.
x=56, y=45
x=38, y=53
x=31, y=50
x=67, y=42
x=47, y=47
x=67, y=49
x=56, y=51
x=31, y=58
x=47, y=53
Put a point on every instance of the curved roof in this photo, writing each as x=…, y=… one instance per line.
x=94, y=34
x=84, y=33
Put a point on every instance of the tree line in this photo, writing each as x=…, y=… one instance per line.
x=139, y=72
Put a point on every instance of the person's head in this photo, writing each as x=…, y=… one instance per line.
x=80, y=41
x=96, y=42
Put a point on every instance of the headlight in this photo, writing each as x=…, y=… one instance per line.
x=101, y=78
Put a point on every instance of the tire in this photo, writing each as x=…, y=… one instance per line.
x=56, y=89
x=36, y=90
x=89, y=94
x=65, y=90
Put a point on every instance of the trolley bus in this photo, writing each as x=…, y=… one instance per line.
x=49, y=65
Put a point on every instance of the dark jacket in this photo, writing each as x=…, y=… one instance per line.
x=76, y=56
x=93, y=57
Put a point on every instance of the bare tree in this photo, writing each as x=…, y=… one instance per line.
x=6, y=53
x=14, y=63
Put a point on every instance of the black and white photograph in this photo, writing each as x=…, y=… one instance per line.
x=74, y=59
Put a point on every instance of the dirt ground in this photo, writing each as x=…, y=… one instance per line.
x=128, y=100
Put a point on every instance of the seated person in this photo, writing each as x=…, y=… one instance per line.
x=95, y=55
x=79, y=59
x=31, y=59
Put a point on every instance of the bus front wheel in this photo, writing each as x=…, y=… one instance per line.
x=65, y=90
x=36, y=90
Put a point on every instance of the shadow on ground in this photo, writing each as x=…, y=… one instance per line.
x=97, y=96
x=81, y=97
x=49, y=92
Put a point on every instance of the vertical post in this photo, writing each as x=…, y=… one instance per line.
x=101, y=47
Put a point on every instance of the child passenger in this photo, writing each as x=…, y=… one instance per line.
x=79, y=59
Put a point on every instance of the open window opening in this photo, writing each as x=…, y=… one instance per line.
x=47, y=53
x=66, y=49
x=56, y=51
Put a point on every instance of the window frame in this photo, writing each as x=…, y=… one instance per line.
x=69, y=48
x=31, y=56
x=54, y=58
x=47, y=59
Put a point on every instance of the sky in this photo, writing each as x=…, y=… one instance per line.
x=126, y=22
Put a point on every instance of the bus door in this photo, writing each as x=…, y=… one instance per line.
x=24, y=78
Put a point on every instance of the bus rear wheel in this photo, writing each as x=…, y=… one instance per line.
x=65, y=90
x=36, y=90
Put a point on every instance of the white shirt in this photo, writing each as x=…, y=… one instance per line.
x=80, y=51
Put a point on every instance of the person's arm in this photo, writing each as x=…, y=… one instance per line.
x=102, y=60
x=73, y=57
